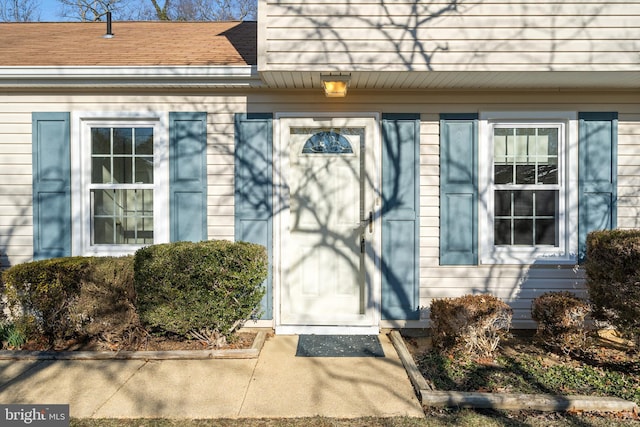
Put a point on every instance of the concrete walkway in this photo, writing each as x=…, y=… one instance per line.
x=276, y=384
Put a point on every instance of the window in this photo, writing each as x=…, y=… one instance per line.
x=120, y=187
x=527, y=200
x=327, y=142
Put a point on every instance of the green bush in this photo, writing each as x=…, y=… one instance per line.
x=11, y=337
x=613, y=278
x=472, y=324
x=104, y=307
x=40, y=292
x=561, y=320
x=71, y=297
x=189, y=287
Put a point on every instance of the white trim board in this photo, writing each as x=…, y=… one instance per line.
x=327, y=330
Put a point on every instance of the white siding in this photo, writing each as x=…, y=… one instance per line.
x=516, y=284
x=16, y=231
x=497, y=35
x=629, y=170
x=16, y=222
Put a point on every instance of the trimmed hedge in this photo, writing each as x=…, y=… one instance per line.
x=472, y=324
x=105, y=306
x=71, y=297
x=189, y=287
x=561, y=320
x=613, y=278
x=39, y=294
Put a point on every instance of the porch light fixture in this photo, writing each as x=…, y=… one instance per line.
x=335, y=86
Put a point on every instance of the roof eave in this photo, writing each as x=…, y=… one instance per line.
x=225, y=76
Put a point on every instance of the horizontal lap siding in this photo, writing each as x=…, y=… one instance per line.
x=629, y=170
x=518, y=285
x=16, y=231
x=16, y=222
x=220, y=160
x=472, y=36
x=429, y=196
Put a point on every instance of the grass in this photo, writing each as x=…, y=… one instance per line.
x=465, y=418
x=522, y=365
x=525, y=373
x=11, y=336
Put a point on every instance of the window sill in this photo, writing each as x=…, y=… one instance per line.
x=111, y=250
x=528, y=258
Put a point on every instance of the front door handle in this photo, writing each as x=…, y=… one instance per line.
x=370, y=221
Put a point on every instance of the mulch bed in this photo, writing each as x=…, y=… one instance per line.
x=603, y=348
x=613, y=359
x=147, y=342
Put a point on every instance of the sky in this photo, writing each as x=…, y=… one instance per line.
x=49, y=11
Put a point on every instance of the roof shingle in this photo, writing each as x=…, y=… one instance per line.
x=150, y=43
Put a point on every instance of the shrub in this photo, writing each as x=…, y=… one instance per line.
x=11, y=337
x=560, y=317
x=208, y=288
x=104, y=307
x=472, y=324
x=72, y=297
x=40, y=292
x=613, y=278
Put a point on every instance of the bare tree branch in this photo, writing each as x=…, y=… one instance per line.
x=187, y=10
x=225, y=10
x=162, y=13
x=90, y=10
x=167, y=10
x=210, y=10
x=19, y=10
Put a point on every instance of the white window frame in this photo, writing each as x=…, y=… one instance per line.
x=82, y=122
x=567, y=248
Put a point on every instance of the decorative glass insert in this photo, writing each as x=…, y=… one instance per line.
x=327, y=142
x=121, y=187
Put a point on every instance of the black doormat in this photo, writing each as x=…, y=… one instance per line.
x=339, y=346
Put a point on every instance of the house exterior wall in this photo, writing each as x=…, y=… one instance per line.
x=397, y=35
x=517, y=284
x=16, y=221
x=16, y=235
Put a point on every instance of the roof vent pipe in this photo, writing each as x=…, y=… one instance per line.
x=109, y=32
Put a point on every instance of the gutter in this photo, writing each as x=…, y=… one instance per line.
x=234, y=76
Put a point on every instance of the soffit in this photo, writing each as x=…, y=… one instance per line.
x=460, y=79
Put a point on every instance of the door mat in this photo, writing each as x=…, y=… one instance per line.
x=339, y=346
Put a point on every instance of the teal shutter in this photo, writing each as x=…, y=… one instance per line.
x=188, y=176
x=254, y=189
x=400, y=216
x=458, y=189
x=51, y=185
x=597, y=175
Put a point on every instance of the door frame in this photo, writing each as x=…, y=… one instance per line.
x=373, y=271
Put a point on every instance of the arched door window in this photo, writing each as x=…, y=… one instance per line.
x=327, y=142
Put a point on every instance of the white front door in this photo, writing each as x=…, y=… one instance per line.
x=329, y=230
